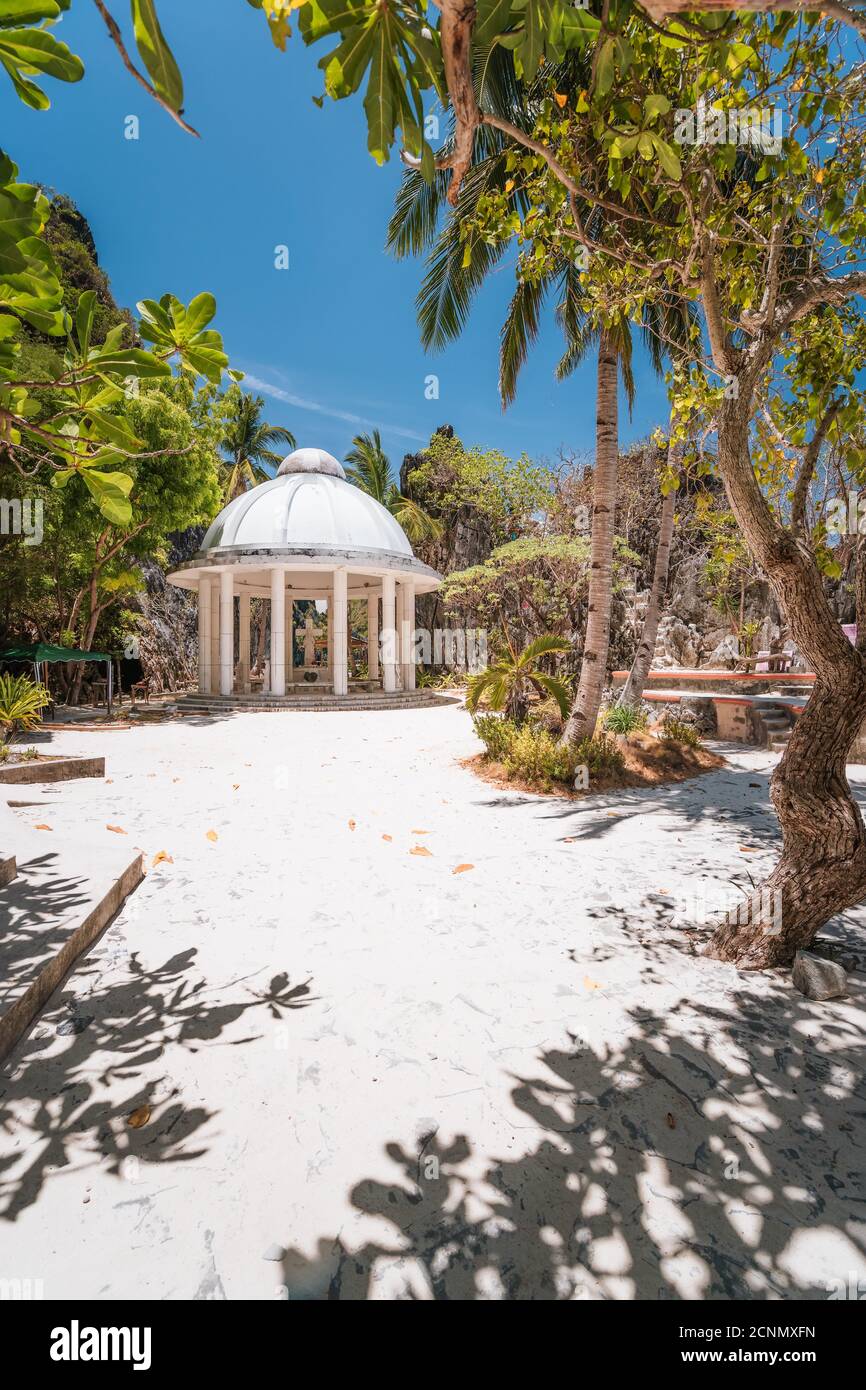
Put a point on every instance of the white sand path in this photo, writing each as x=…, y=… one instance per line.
x=372, y=1077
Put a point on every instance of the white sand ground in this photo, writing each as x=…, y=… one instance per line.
x=371, y=1077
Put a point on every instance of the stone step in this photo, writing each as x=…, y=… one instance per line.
x=369, y=700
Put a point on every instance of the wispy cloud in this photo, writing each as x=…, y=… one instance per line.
x=301, y=403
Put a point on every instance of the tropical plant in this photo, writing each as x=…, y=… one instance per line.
x=509, y=682
x=675, y=730
x=532, y=753
x=624, y=719
x=369, y=468
x=495, y=732
x=247, y=440
x=21, y=703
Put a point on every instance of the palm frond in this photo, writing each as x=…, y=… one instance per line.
x=549, y=642
x=552, y=685
x=519, y=332
x=418, y=524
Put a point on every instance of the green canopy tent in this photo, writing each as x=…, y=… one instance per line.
x=38, y=653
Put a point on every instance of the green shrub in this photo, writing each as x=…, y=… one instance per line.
x=21, y=703
x=532, y=753
x=5, y=752
x=599, y=755
x=496, y=733
x=29, y=755
x=678, y=731
x=624, y=719
x=535, y=755
x=546, y=714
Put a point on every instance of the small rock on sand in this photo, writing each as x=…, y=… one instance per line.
x=817, y=978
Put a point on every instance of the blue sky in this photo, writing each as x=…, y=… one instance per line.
x=332, y=342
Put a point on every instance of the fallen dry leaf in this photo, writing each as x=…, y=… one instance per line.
x=42, y=827
x=212, y=836
x=569, y=839
x=351, y=825
x=590, y=984
x=117, y=829
x=461, y=868
x=235, y=786
x=139, y=1117
x=421, y=849
x=419, y=832
x=389, y=838
x=175, y=779
x=109, y=780
x=162, y=857
x=747, y=849
x=670, y=1121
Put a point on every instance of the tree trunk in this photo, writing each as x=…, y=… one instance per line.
x=584, y=713
x=822, y=868
x=632, y=691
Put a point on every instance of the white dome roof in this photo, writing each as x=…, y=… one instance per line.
x=311, y=461
x=309, y=504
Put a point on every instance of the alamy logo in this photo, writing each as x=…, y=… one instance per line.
x=760, y=127
x=76, y=1343
x=21, y=517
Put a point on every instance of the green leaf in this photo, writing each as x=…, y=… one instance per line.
x=199, y=313
x=36, y=50
x=14, y=12
x=156, y=54
x=655, y=105
x=110, y=491
x=207, y=361
x=114, y=430
x=604, y=69
x=84, y=319
x=129, y=362
x=668, y=158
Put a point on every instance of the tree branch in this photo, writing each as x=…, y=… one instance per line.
x=455, y=30
x=807, y=467
x=117, y=39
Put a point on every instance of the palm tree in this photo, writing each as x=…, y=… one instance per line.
x=508, y=683
x=445, y=298
x=247, y=439
x=370, y=470
x=632, y=691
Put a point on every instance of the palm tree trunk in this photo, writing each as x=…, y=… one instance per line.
x=632, y=691
x=584, y=713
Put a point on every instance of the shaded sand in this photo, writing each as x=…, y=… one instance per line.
x=363, y=1075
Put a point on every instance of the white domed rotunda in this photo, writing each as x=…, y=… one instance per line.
x=308, y=533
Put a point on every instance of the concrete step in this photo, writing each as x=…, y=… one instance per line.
x=360, y=700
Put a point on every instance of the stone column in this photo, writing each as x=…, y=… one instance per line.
x=389, y=631
x=340, y=633
x=408, y=635
x=227, y=632
x=278, y=632
x=290, y=639
x=373, y=636
x=244, y=641
x=214, y=638
x=204, y=635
